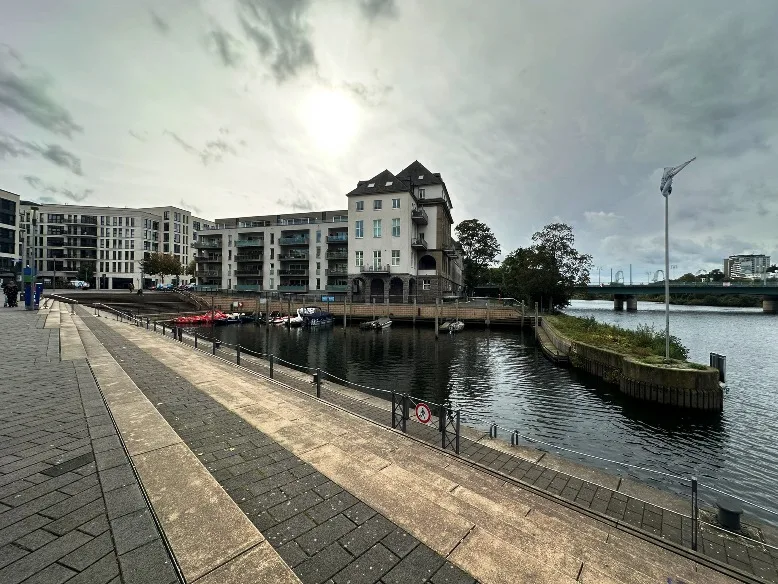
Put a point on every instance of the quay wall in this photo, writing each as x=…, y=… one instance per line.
x=685, y=388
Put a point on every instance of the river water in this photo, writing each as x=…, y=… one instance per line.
x=501, y=376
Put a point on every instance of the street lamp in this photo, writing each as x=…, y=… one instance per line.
x=666, y=187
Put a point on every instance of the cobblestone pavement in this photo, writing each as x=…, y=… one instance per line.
x=750, y=557
x=70, y=507
x=322, y=532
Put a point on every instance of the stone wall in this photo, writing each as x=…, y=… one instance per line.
x=684, y=388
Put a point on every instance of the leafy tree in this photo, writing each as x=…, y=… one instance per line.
x=688, y=277
x=480, y=249
x=550, y=269
x=191, y=268
x=85, y=271
x=716, y=275
x=772, y=269
x=161, y=264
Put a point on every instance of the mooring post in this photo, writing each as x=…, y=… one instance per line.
x=163, y=329
x=270, y=357
x=372, y=301
x=318, y=382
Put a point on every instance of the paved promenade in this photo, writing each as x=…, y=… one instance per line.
x=250, y=480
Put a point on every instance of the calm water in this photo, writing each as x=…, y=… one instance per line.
x=501, y=376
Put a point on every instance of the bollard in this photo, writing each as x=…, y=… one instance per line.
x=270, y=358
x=443, y=427
x=155, y=326
x=515, y=438
x=317, y=379
x=237, y=355
x=215, y=345
x=493, y=430
x=195, y=339
x=163, y=329
x=180, y=334
x=456, y=438
x=695, y=510
x=147, y=324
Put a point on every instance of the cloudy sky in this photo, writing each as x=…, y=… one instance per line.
x=532, y=111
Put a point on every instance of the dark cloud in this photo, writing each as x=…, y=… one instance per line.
x=299, y=203
x=373, y=9
x=137, y=136
x=213, y=151
x=226, y=47
x=27, y=94
x=181, y=142
x=159, y=23
x=188, y=205
x=15, y=148
x=278, y=30
x=39, y=185
x=61, y=157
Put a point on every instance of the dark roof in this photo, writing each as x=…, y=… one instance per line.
x=415, y=170
x=381, y=184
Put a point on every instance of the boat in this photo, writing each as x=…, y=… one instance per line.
x=456, y=326
x=378, y=324
x=314, y=316
x=296, y=320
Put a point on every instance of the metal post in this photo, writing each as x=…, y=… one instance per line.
x=372, y=301
x=695, y=510
x=344, y=311
x=213, y=347
x=443, y=427
x=270, y=358
x=414, y=308
x=536, y=321
x=436, y=318
x=456, y=439
x=289, y=311
x=667, y=279
x=237, y=355
x=405, y=412
x=147, y=324
x=163, y=329
x=318, y=382
x=487, y=314
x=195, y=339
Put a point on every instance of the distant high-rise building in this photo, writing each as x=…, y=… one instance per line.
x=746, y=266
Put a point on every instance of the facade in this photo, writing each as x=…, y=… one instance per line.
x=746, y=266
x=101, y=245
x=9, y=234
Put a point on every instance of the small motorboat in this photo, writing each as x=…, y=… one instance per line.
x=378, y=324
x=296, y=320
x=315, y=316
x=456, y=326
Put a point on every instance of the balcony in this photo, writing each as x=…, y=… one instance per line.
x=294, y=240
x=250, y=243
x=450, y=250
x=208, y=274
x=298, y=272
x=293, y=257
x=336, y=287
x=375, y=269
x=419, y=216
x=207, y=244
x=338, y=238
x=248, y=287
x=241, y=272
x=211, y=258
x=339, y=271
x=293, y=288
x=418, y=243
x=336, y=255
x=248, y=257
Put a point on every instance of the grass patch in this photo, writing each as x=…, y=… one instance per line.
x=645, y=344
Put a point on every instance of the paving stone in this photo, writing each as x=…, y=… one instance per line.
x=10, y=553
x=359, y=513
x=324, y=565
x=325, y=534
x=124, y=500
x=292, y=553
x=116, y=477
x=451, y=574
x=367, y=535
x=294, y=506
x=400, y=542
x=332, y=506
x=36, y=561
x=77, y=518
x=95, y=526
x=420, y=563
x=51, y=574
x=148, y=563
x=289, y=529
x=21, y=528
x=133, y=530
x=110, y=458
x=89, y=553
x=38, y=538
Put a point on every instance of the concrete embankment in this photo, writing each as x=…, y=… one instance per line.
x=685, y=388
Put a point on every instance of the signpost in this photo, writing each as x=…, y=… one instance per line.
x=423, y=413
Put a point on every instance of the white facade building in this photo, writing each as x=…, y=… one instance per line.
x=746, y=266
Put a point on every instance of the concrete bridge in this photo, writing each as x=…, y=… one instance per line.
x=628, y=293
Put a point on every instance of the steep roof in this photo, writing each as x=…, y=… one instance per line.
x=383, y=182
x=419, y=175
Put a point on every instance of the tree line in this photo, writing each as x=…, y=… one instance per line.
x=545, y=272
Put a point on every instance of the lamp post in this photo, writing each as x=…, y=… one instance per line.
x=666, y=187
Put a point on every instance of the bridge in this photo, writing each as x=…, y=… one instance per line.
x=628, y=293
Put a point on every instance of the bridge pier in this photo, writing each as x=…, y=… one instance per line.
x=618, y=302
x=770, y=304
x=632, y=303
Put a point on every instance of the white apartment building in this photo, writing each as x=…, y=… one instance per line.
x=102, y=245
x=9, y=235
x=746, y=266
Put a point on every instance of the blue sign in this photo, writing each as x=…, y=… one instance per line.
x=328, y=299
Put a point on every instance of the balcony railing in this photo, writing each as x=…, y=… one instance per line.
x=419, y=216
x=208, y=274
x=293, y=288
x=375, y=269
x=419, y=242
x=293, y=257
x=248, y=258
x=292, y=272
x=336, y=287
x=339, y=271
x=249, y=243
x=336, y=255
x=203, y=259
x=294, y=240
x=248, y=287
x=208, y=244
x=338, y=238
x=248, y=272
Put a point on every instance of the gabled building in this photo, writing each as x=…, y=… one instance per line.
x=400, y=246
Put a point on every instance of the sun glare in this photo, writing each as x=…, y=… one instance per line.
x=331, y=120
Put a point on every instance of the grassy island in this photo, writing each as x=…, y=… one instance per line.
x=645, y=344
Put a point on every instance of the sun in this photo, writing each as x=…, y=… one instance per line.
x=331, y=119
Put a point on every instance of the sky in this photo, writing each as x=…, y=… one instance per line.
x=532, y=111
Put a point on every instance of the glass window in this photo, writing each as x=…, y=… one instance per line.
x=360, y=205
x=376, y=228
x=359, y=229
x=376, y=258
x=426, y=284
x=377, y=204
x=396, y=227
x=395, y=203
x=421, y=193
x=359, y=258
x=318, y=237
x=395, y=257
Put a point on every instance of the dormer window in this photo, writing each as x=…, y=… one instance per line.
x=389, y=183
x=371, y=185
x=421, y=176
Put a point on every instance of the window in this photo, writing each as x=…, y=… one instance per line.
x=272, y=239
x=167, y=215
x=120, y=221
x=421, y=193
x=376, y=228
x=318, y=283
x=426, y=284
x=318, y=251
x=377, y=258
x=395, y=203
x=396, y=227
x=318, y=237
x=359, y=229
x=272, y=283
x=359, y=258
x=272, y=253
x=360, y=205
x=371, y=185
x=395, y=257
x=389, y=183
x=377, y=205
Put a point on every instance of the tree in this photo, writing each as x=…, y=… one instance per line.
x=85, y=271
x=716, y=275
x=191, y=268
x=480, y=249
x=688, y=277
x=772, y=269
x=161, y=264
x=550, y=269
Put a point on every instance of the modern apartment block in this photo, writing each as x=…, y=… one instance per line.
x=746, y=266
x=102, y=245
x=392, y=243
x=9, y=238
